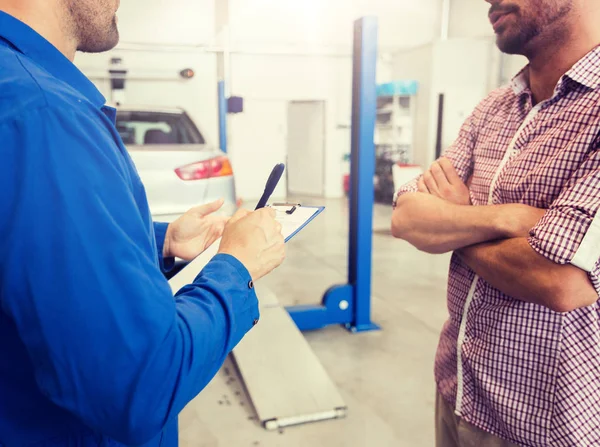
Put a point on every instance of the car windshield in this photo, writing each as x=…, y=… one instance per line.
x=154, y=128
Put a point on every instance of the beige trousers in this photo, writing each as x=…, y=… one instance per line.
x=451, y=431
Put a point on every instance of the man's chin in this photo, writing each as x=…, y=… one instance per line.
x=509, y=44
x=100, y=46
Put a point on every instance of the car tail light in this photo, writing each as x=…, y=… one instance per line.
x=215, y=167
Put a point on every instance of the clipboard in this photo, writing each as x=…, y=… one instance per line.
x=294, y=217
x=292, y=224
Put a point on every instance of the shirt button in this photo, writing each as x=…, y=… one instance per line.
x=255, y=322
x=251, y=285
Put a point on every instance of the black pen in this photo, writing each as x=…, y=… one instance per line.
x=272, y=182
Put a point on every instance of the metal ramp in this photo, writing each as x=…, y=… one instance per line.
x=285, y=380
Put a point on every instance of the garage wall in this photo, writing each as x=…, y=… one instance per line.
x=469, y=19
x=417, y=63
x=167, y=21
x=403, y=23
x=268, y=93
x=513, y=65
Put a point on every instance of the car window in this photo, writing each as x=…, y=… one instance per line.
x=157, y=128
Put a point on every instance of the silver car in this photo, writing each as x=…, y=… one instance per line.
x=178, y=167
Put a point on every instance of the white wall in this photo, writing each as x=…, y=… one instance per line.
x=277, y=80
x=512, y=65
x=403, y=23
x=167, y=21
x=469, y=19
x=417, y=63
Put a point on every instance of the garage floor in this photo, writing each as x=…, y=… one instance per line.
x=386, y=378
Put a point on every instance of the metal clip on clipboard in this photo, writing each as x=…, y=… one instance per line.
x=294, y=207
x=294, y=217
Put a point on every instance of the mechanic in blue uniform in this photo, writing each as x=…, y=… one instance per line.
x=94, y=349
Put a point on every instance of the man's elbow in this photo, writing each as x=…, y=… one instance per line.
x=572, y=291
x=399, y=228
x=401, y=224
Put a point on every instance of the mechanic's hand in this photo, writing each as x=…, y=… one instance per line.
x=255, y=239
x=441, y=180
x=194, y=232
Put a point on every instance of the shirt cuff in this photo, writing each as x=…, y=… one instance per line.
x=160, y=233
x=247, y=311
x=410, y=187
x=559, y=235
x=237, y=265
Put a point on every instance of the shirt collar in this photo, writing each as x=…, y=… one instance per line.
x=586, y=72
x=47, y=56
x=520, y=83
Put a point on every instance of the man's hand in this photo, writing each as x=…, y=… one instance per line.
x=194, y=232
x=255, y=239
x=441, y=180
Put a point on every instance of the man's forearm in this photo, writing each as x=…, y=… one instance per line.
x=438, y=226
x=516, y=269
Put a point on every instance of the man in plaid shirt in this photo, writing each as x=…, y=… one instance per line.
x=518, y=361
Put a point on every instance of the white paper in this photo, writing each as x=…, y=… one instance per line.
x=290, y=223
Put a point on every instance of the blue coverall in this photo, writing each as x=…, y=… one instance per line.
x=94, y=349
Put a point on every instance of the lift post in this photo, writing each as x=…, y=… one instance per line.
x=350, y=304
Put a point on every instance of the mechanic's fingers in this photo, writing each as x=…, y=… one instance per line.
x=267, y=212
x=449, y=170
x=239, y=215
x=209, y=208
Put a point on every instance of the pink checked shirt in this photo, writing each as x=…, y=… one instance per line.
x=517, y=370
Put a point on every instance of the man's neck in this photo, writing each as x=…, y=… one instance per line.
x=44, y=18
x=547, y=67
x=551, y=61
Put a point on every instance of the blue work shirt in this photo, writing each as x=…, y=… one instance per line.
x=94, y=349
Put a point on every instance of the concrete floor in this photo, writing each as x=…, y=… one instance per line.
x=386, y=377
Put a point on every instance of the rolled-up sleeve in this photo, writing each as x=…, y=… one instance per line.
x=108, y=341
x=569, y=232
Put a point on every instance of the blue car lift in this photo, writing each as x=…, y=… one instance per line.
x=350, y=304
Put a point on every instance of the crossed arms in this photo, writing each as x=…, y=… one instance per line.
x=492, y=240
